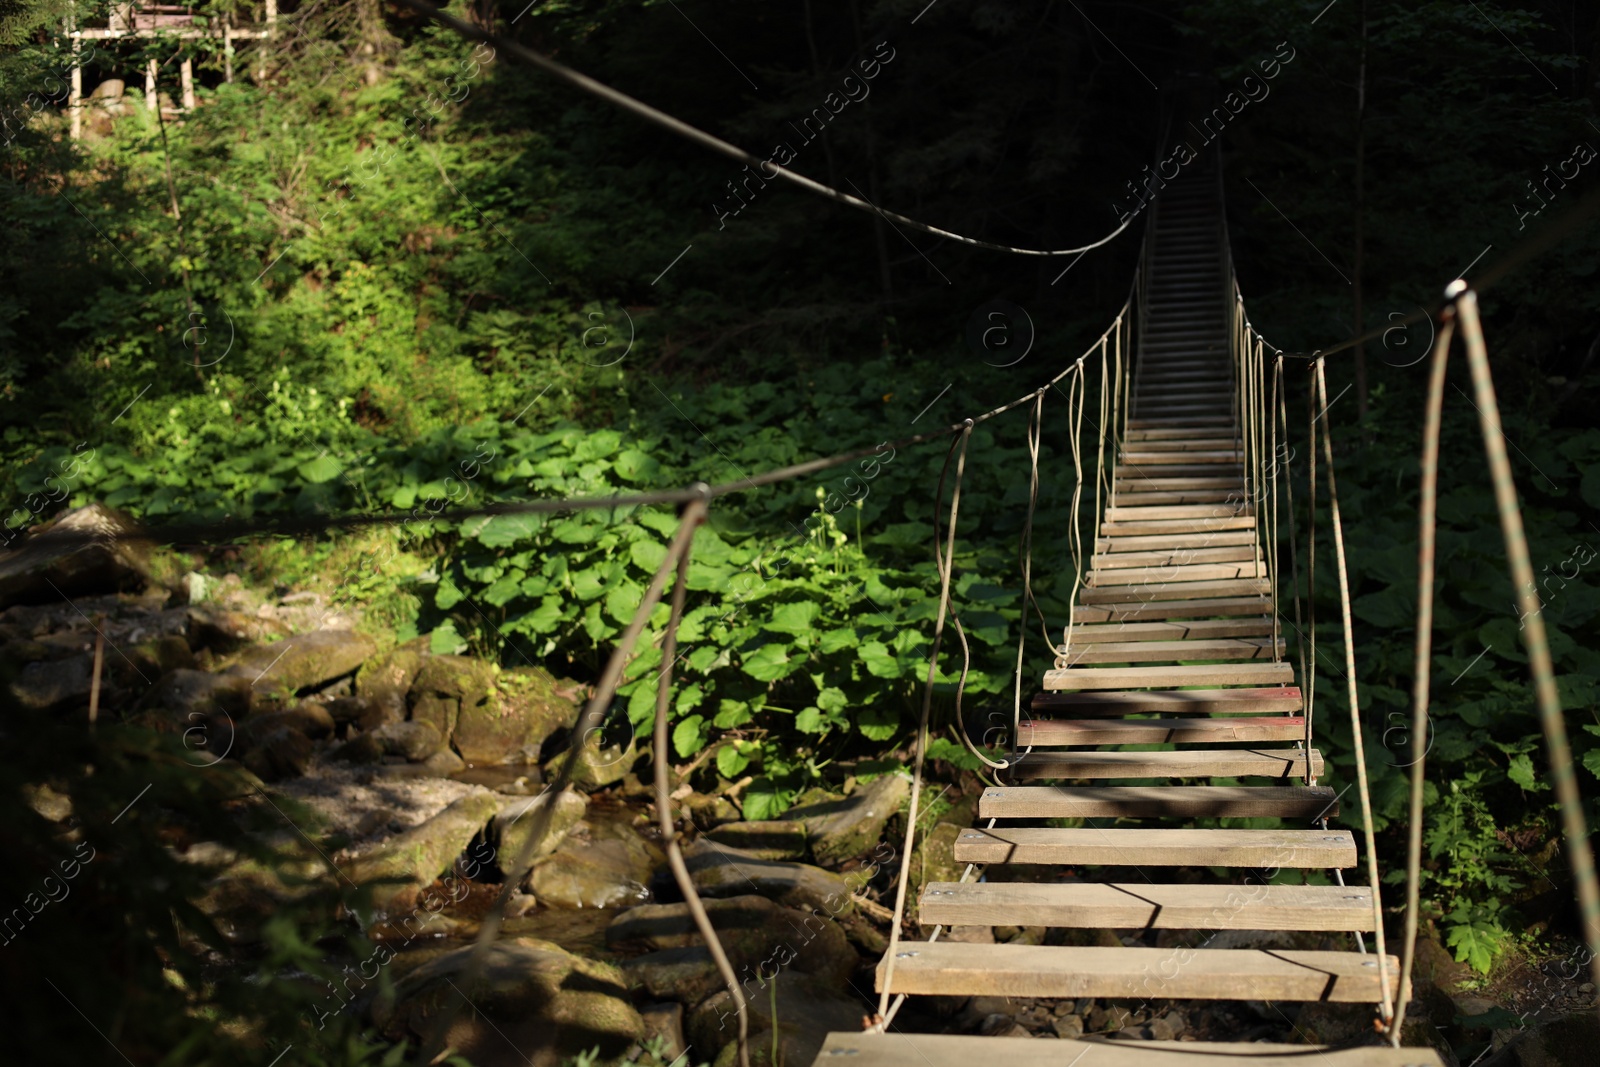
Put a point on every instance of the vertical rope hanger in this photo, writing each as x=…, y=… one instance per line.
x=1075, y=404
x=946, y=564
x=1272, y=542
x=1355, y=708
x=1309, y=676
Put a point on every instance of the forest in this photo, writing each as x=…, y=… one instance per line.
x=334, y=288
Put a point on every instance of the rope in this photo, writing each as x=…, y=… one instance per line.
x=961, y=687
x=1075, y=399
x=588, y=722
x=1534, y=639
x=1427, y=512
x=1355, y=710
x=1310, y=677
x=1294, y=563
x=1272, y=541
x=946, y=565
x=1025, y=562
x=705, y=140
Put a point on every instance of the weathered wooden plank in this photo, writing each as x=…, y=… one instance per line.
x=1157, y=542
x=1189, y=444
x=1144, y=847
x=1160, y=731
x=1175, y=973
x=900, y=1049
x=1189, y=763
x=1158, y=512
x=1158, y=801
x=1139, y=483
x=1198, y=650
x=1131, y=610
x=1186, y=496
x=1272, y=700
x=1154, y=424
x=1160, y=574
x=1169, y=677
x=1177, y=630
x=1162, y=591
x=1177, y=557
x=1129, y=906
x=1171, y=469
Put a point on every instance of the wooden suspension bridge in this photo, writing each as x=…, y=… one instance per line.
x=1175, y=640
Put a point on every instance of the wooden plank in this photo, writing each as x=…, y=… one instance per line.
x=1160, y=512
x=1157, y=542
x=1141, y=482
x=1164, y=591
x=1270, y=700
x=1169, y=470
x=1130, y=611
x=1174, y=572
x=1255, y=729
x=901, y=1049
x=1190, y=444
x=1155, y=424
x=1188, y=763
x=1177, y=630
x=1245, y=521
x=1158, y=801
x=1129, y=906
x=1184, y=496
x=1220, y=648
x=1144, y=847
x=950, y=968
x=1178, y=557
x=1170, y=433
x=1251, y=674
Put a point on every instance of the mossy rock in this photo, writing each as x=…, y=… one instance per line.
x=520, y=710
x=401, y=867
x=304, y=661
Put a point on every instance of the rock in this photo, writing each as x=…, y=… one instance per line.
x=758, y=936
x=224, y=630
x=304, y=661
x=55, y=685
x=708, y=812
x=1333, y=1024
x=409, y=862
x=517, y=820
x=284, y=752
x=521, y=710
x=596, y=767
x=444, y=684
x=245, y=893
x=416, y=741
x=363, y=748
x=604, y=866
x=1569, y=1040
x=532, y=1003
x=844, y=829
x=1167, y=1027
x=183, y=693
x=806, y=1014
x=49, y=804
x=382, y=685
x=1068, y=1027
x=362, y=713
x=73, y=557
x=663, y=1030
x=309, y=718
x=933, y=858
x=775, y=840
x=685, y=974
x=161, y=655
x=1467, y=1007
x=720, y=871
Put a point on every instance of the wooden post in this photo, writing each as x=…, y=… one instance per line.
x=75, y=96
x=227, y=50
x=150, y=85
x=186, y=75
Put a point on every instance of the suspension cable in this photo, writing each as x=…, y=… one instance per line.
x=1355, y=708
x=1427, y=513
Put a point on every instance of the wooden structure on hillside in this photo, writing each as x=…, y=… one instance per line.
x=177, y=21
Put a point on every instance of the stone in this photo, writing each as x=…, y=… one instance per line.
x=663, y=1030
x=444, y=684
x=686, y=974
x=416, y=741
x=519, y=819
x=73, y=556
x=933, y=858
x=304, y=661
x=806, y=1014
x=708, y=812
x=308, y=717
x=161, y=655
x=363, y=748
x=55, y=685
x=57, y=807
x=721, y=871
x=1167, y=1027
x=284, y=752
x=1571, y=1039
x=183, y=693
x=409, y=862
x=364, y=713
x=845, y=829
x=603, y=866
x=223, y=630
x=757, y=935
x=532, y=1005
x=1467, y=1007
x=245, y=893
x=773, y=840
x=1068, y=1027
x=596, y=767
x=521, y=710
x=383, y=682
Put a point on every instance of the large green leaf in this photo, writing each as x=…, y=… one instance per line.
x=795, y=618
x=767, y=663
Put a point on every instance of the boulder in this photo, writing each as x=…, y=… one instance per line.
x=223, y=630
x=73, y=557
x=55, y=685
x=521, y=709
x=757, y=935
x=518, y=819
x=245, y=893
x=708, y=812
x=304, y=661
x=444, y=684
x=688, y=975
x=721, y=871
x=603, y=866
x=416, y=741
x=806, y=1014
x=382, y=685
x=663, y=1024
x=596, y=767
x=442, y=764
x=161, y=655
x=309, y=717
x=531, y=1005
x=283, y=752
x=183, y=693
x=841, y=830
x=408, y=863
x=774, y=840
